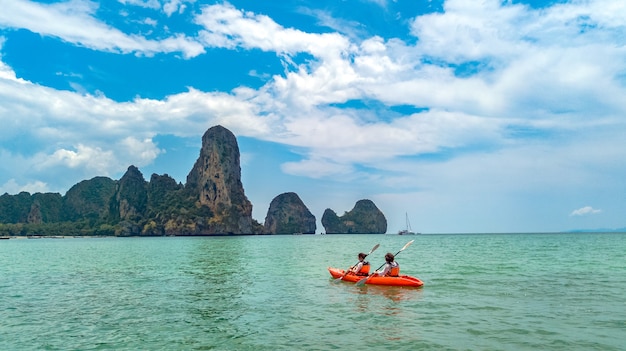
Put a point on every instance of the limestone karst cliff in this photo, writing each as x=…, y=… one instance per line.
x=287, y=214
x=216, y=179
x=364, y=218
x=131, y=198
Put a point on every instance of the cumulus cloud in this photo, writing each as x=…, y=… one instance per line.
x=228, y=27
x=74, y=22
x=529, y=60
x=169, y=6
x=12, y=187
x=584, y=211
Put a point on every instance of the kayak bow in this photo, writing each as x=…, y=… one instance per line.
x=403, y=280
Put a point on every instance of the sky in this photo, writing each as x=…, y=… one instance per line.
x=469, y=116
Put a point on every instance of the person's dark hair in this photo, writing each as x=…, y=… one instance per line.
x=389, y=257
x=362, y=255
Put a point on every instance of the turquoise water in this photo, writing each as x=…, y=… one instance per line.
x=482, y=292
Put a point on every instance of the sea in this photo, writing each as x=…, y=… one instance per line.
x=549, y=291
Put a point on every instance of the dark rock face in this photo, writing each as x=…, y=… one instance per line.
x=89, y=199
x=288, y=215
x=129, y=204
x=331, y=222
x=159, y=187
x=364, y=218
x=35, y=209
x=35, y=216
x=48, y=206
x=131, y=198
x=216, y=179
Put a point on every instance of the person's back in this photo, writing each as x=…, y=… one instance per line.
x=365, y=269
x=392, y=268
x=362, y=267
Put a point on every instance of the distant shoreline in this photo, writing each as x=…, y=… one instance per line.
x=19, y=237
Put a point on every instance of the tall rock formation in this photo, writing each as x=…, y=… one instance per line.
x=288, y=215
x=49, y=205
x=89, y=199
x=131, y=198
x=216, y=179
x=364, y=218
x=15, y=208
x=129, y=204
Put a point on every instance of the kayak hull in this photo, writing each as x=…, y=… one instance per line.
x=403, y=280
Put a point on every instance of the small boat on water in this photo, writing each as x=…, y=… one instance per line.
x=402, y=280
x=407, y=230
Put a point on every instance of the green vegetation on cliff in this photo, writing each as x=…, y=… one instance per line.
x=364, y=218
x=288, y=215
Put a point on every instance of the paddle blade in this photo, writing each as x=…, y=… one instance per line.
x=373, y=249
x=362, y=281
x=407, y=245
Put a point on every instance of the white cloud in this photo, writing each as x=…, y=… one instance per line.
x=12, y=187
x=93, y=158
x=228, y=27
x=584, y=211
x=532, y=60
x=169, y=6
x=351, y=28
x=74, y=22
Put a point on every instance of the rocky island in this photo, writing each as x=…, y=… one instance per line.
x=212, y=202
x=364, y=218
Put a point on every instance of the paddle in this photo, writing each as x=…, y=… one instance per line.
x=364, y=280
x=347, y=270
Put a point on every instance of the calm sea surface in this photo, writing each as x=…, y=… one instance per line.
x=481, y=292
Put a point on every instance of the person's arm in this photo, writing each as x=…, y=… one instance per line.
x=384, y=271
x=356, y=268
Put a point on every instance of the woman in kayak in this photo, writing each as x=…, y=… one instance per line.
x=391, y=269
x=362, y=267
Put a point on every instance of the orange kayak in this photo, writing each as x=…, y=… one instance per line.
x=403, y=280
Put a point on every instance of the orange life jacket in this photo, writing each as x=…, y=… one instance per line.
x=394, y=271
x=365, y=269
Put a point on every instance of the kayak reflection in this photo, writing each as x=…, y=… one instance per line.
x=393, y=293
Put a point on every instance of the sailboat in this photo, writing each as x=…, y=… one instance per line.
x=407, y=230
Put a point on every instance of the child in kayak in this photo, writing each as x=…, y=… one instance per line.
x=391, y=268
x=362, y=267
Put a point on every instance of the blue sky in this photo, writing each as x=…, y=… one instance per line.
x=470, y=116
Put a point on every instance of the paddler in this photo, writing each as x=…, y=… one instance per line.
x=362, y=267
x=391, y=268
